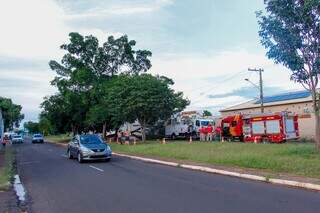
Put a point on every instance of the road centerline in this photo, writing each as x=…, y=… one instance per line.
x=96, y=168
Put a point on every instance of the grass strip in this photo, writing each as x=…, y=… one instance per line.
x=7, y=167
x=290, y=158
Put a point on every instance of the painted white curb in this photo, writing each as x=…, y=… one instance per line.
x=19, y=188
x=228, y=173
x=295, y=184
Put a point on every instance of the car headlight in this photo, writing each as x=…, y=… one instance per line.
x=108, y=149
x=85, y=150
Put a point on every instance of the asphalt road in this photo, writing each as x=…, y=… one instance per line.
x=57, y=184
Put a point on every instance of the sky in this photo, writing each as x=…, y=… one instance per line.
x=205, y=46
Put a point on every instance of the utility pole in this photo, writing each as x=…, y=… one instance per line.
x=261, y=86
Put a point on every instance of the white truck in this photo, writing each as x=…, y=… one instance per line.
x=183, y=126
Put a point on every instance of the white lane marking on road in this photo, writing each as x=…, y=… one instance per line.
x=93, y=167
x=28, y=162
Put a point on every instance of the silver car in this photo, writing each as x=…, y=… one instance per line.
x=88, y=147
x=37, y=138
x=17, y=139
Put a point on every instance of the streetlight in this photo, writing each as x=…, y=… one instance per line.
x=260, y=88
x=255, y=85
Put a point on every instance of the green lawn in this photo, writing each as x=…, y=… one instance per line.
x=289, y=158
x=6, y=167
x=64, y=138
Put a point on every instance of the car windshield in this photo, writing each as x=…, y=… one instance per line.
x=90, y=139
x=37, y=136
x=17, y=136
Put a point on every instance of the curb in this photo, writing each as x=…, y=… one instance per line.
x=283, y=182
x=290, y=183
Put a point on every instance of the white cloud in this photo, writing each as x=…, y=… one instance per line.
x=31, y=29
x=120, y=10
x=200, y=75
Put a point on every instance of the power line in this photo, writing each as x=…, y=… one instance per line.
x=217, y=87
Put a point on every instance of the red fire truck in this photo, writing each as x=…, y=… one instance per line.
x=267, y=127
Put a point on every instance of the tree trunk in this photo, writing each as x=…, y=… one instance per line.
x=143, y=134
x=317, y=119
x=104, y=130
x=73, y=129
x=143, y=130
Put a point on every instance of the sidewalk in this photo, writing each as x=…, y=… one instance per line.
x=8, y=202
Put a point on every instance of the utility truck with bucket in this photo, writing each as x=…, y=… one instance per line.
x=186, y=124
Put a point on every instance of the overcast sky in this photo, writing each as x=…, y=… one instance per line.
x=204, y=46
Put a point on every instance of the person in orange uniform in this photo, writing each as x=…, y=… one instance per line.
x=209, y=132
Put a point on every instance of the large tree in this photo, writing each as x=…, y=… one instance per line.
x=32, y=127
x=55, y=110
x=11, y=113
x=145, y=98
x=290, y=31
x=85, y=67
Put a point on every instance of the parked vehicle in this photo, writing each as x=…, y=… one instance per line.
x=186, y=124
x=88, y=147
x=17, y=139
x=266, y=127
x=37, y=138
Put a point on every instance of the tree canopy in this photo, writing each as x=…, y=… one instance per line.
x=11, y=113
x=145, y=98
x=32, y=127
x=82, y=70
x=207, y=113
x=101, y=87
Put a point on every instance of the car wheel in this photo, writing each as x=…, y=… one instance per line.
x=69, y=154
x=107, y=160
x=79, y=158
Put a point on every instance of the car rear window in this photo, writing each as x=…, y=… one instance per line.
x=17, y=136
x=90, y=139
x=37, y=136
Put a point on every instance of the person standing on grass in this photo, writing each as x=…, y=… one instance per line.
x=217, y=132
x=202, y=131
x=209, y=132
